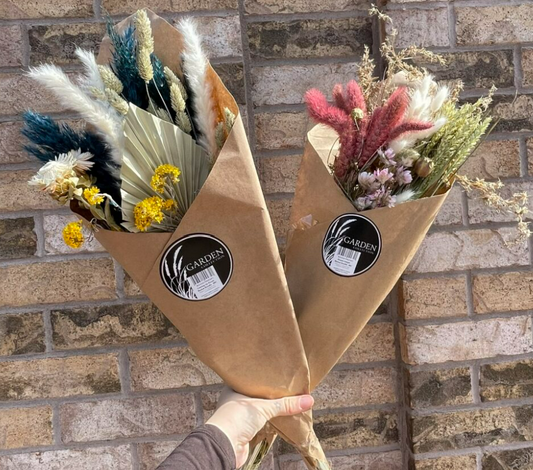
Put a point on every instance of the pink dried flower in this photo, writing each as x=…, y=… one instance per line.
x=366, y=180
x=382, y=176
x=403, y=176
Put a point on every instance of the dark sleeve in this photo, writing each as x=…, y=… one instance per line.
x=206, y=448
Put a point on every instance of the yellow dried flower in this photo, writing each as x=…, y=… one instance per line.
x=92, y=195
x=169, y=204
x=110, y=80
x=147, y=212
x=161, y=174
x=72, y=234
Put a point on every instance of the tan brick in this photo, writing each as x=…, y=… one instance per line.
x=151, y=454
x=258, y=7
x=57, y=43
x=19, y=92
x=469, y=249
x=25, y=427
x=344, y=388
x=494, y=159
x=169, y=368
x=278, y=174
x=209, y=402
x=110, y=325
x=440, y=387
x=375, y=343
x=476, y=69
x=480, y=212
x=359, y=429
x=433, y=298
x=280, y=210
x=451, y=212
x=108, y=458
x=130, y=288
x=276, y=131
x=126, y=7
x=494, y=24
x=530, y=156
x=374, y=461
x=519, y=459
x=467, y=340
x=221, y=35
x=287, y=84
x=53, y=236
x=507, y=380
x=10, y=46
x=12, y=9
x=427, y=28
x=11, y=143
x=513, y=113
x=527, y=66
x=503, y=292
x=21, y=333
x=135, y=417
x=17, y=195
x=17, y=238
x=459, y=462
x=309, y=38
x=64, y=281
x=465, y=429
x=59, y=377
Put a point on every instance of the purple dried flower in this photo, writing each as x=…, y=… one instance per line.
x=383, y=175
x=403, y=176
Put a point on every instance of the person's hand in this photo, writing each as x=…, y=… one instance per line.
x=240, y=418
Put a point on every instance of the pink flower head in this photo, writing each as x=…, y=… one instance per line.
x=382, y=176
x=366, y=180
x=403, y=176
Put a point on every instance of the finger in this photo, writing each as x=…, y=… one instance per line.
x=288, y=406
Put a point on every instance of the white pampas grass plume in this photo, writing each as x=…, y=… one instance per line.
x=92, y=78
x=195, y=67
x=110, y=80
x=98, y=114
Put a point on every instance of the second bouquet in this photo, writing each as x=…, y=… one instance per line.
x=164, y=178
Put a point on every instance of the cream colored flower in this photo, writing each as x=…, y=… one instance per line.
x=61, y=177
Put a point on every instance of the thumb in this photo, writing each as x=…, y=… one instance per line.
x=288, y=406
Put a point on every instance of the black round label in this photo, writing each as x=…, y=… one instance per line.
x=196, y=267
x=351, y=246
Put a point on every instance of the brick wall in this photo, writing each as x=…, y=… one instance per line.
x=92, y=376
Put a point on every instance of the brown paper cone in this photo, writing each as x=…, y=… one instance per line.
x=332, y=309
x=247, y=330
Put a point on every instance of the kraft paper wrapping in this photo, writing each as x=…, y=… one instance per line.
x=247, y=333
x=331, y=309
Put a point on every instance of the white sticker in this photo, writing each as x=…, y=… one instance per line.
x=205, y=283
x=344, y=261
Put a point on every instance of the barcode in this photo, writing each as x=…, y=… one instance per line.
x=202, y=276
x=348, y=253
